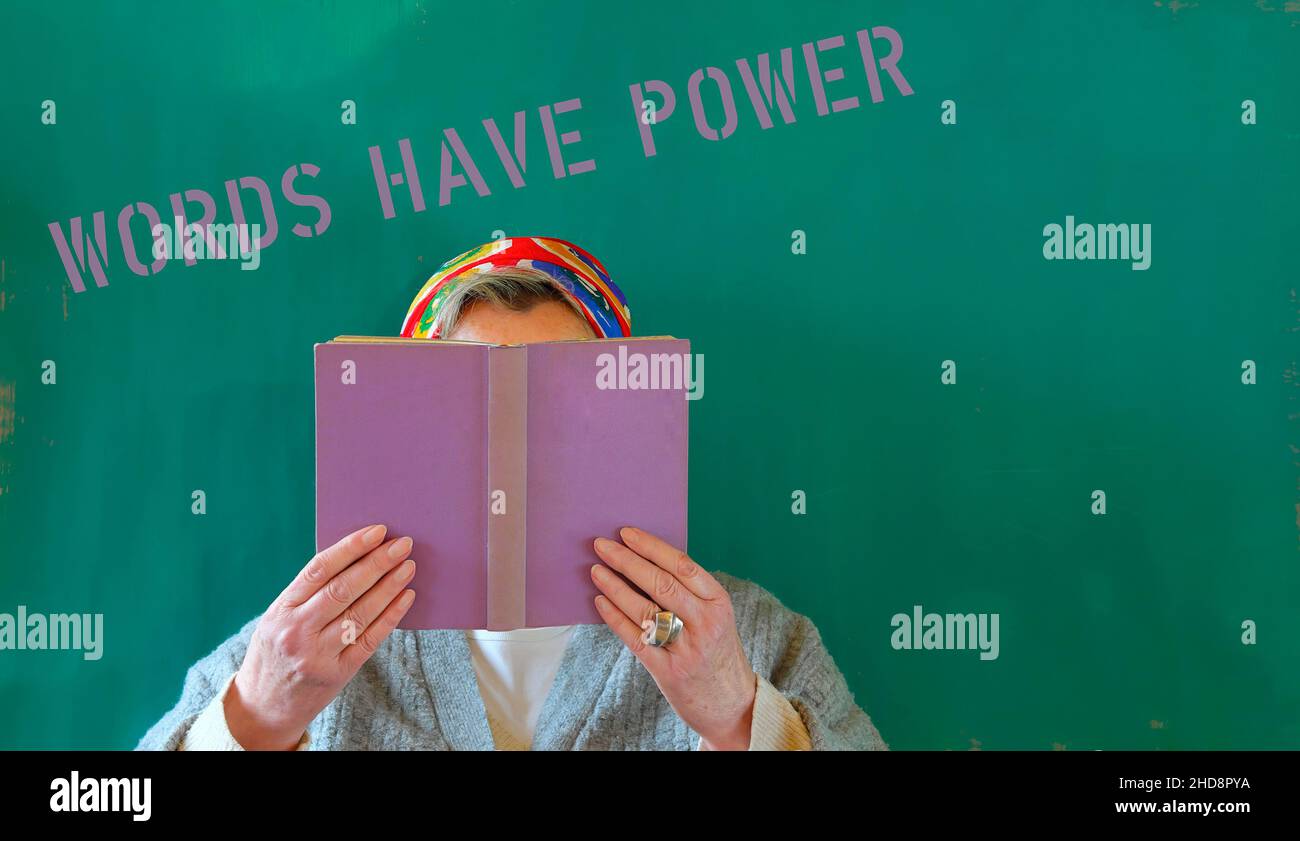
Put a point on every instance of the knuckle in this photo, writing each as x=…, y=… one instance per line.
x=664, y=584
x=721, y=603
x=352, y=621
x=380, y=564
x=287, y=641
x=685, y=567
x=338, y=590
x=314, y=572
x=267, y=625
x=369, y=642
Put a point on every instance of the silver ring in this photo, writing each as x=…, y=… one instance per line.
x=662, y=630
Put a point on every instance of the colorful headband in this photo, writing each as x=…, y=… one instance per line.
x=576, y=272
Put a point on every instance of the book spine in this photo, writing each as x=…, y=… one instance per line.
x=507, y=487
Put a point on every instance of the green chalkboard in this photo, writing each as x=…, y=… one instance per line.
x=826, y=267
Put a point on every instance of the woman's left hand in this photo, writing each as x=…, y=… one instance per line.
x=704, y=672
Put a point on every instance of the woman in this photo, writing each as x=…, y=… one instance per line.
x=715, y=663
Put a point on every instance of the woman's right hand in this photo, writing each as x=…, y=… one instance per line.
x=315, y=635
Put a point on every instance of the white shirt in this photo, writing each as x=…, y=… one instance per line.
x=516, y=670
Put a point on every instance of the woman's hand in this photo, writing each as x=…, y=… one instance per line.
x=704, y=673
x=315, y=636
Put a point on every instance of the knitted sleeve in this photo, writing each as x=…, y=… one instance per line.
x=205, y=681
x=786, y=649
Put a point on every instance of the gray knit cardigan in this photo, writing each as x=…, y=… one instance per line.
x=419, y=691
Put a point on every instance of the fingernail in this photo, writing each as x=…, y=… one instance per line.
x=406, y=598
x=399, y=548
x=601, y=601
x=406, y=570
x=373, y=535
x=632, y=530
x=598, y=571
x=603, y=544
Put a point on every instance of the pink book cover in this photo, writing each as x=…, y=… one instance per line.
x=502, y=463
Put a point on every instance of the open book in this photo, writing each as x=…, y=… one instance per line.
x=503, y=463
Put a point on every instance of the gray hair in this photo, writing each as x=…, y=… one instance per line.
x=516, y=288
